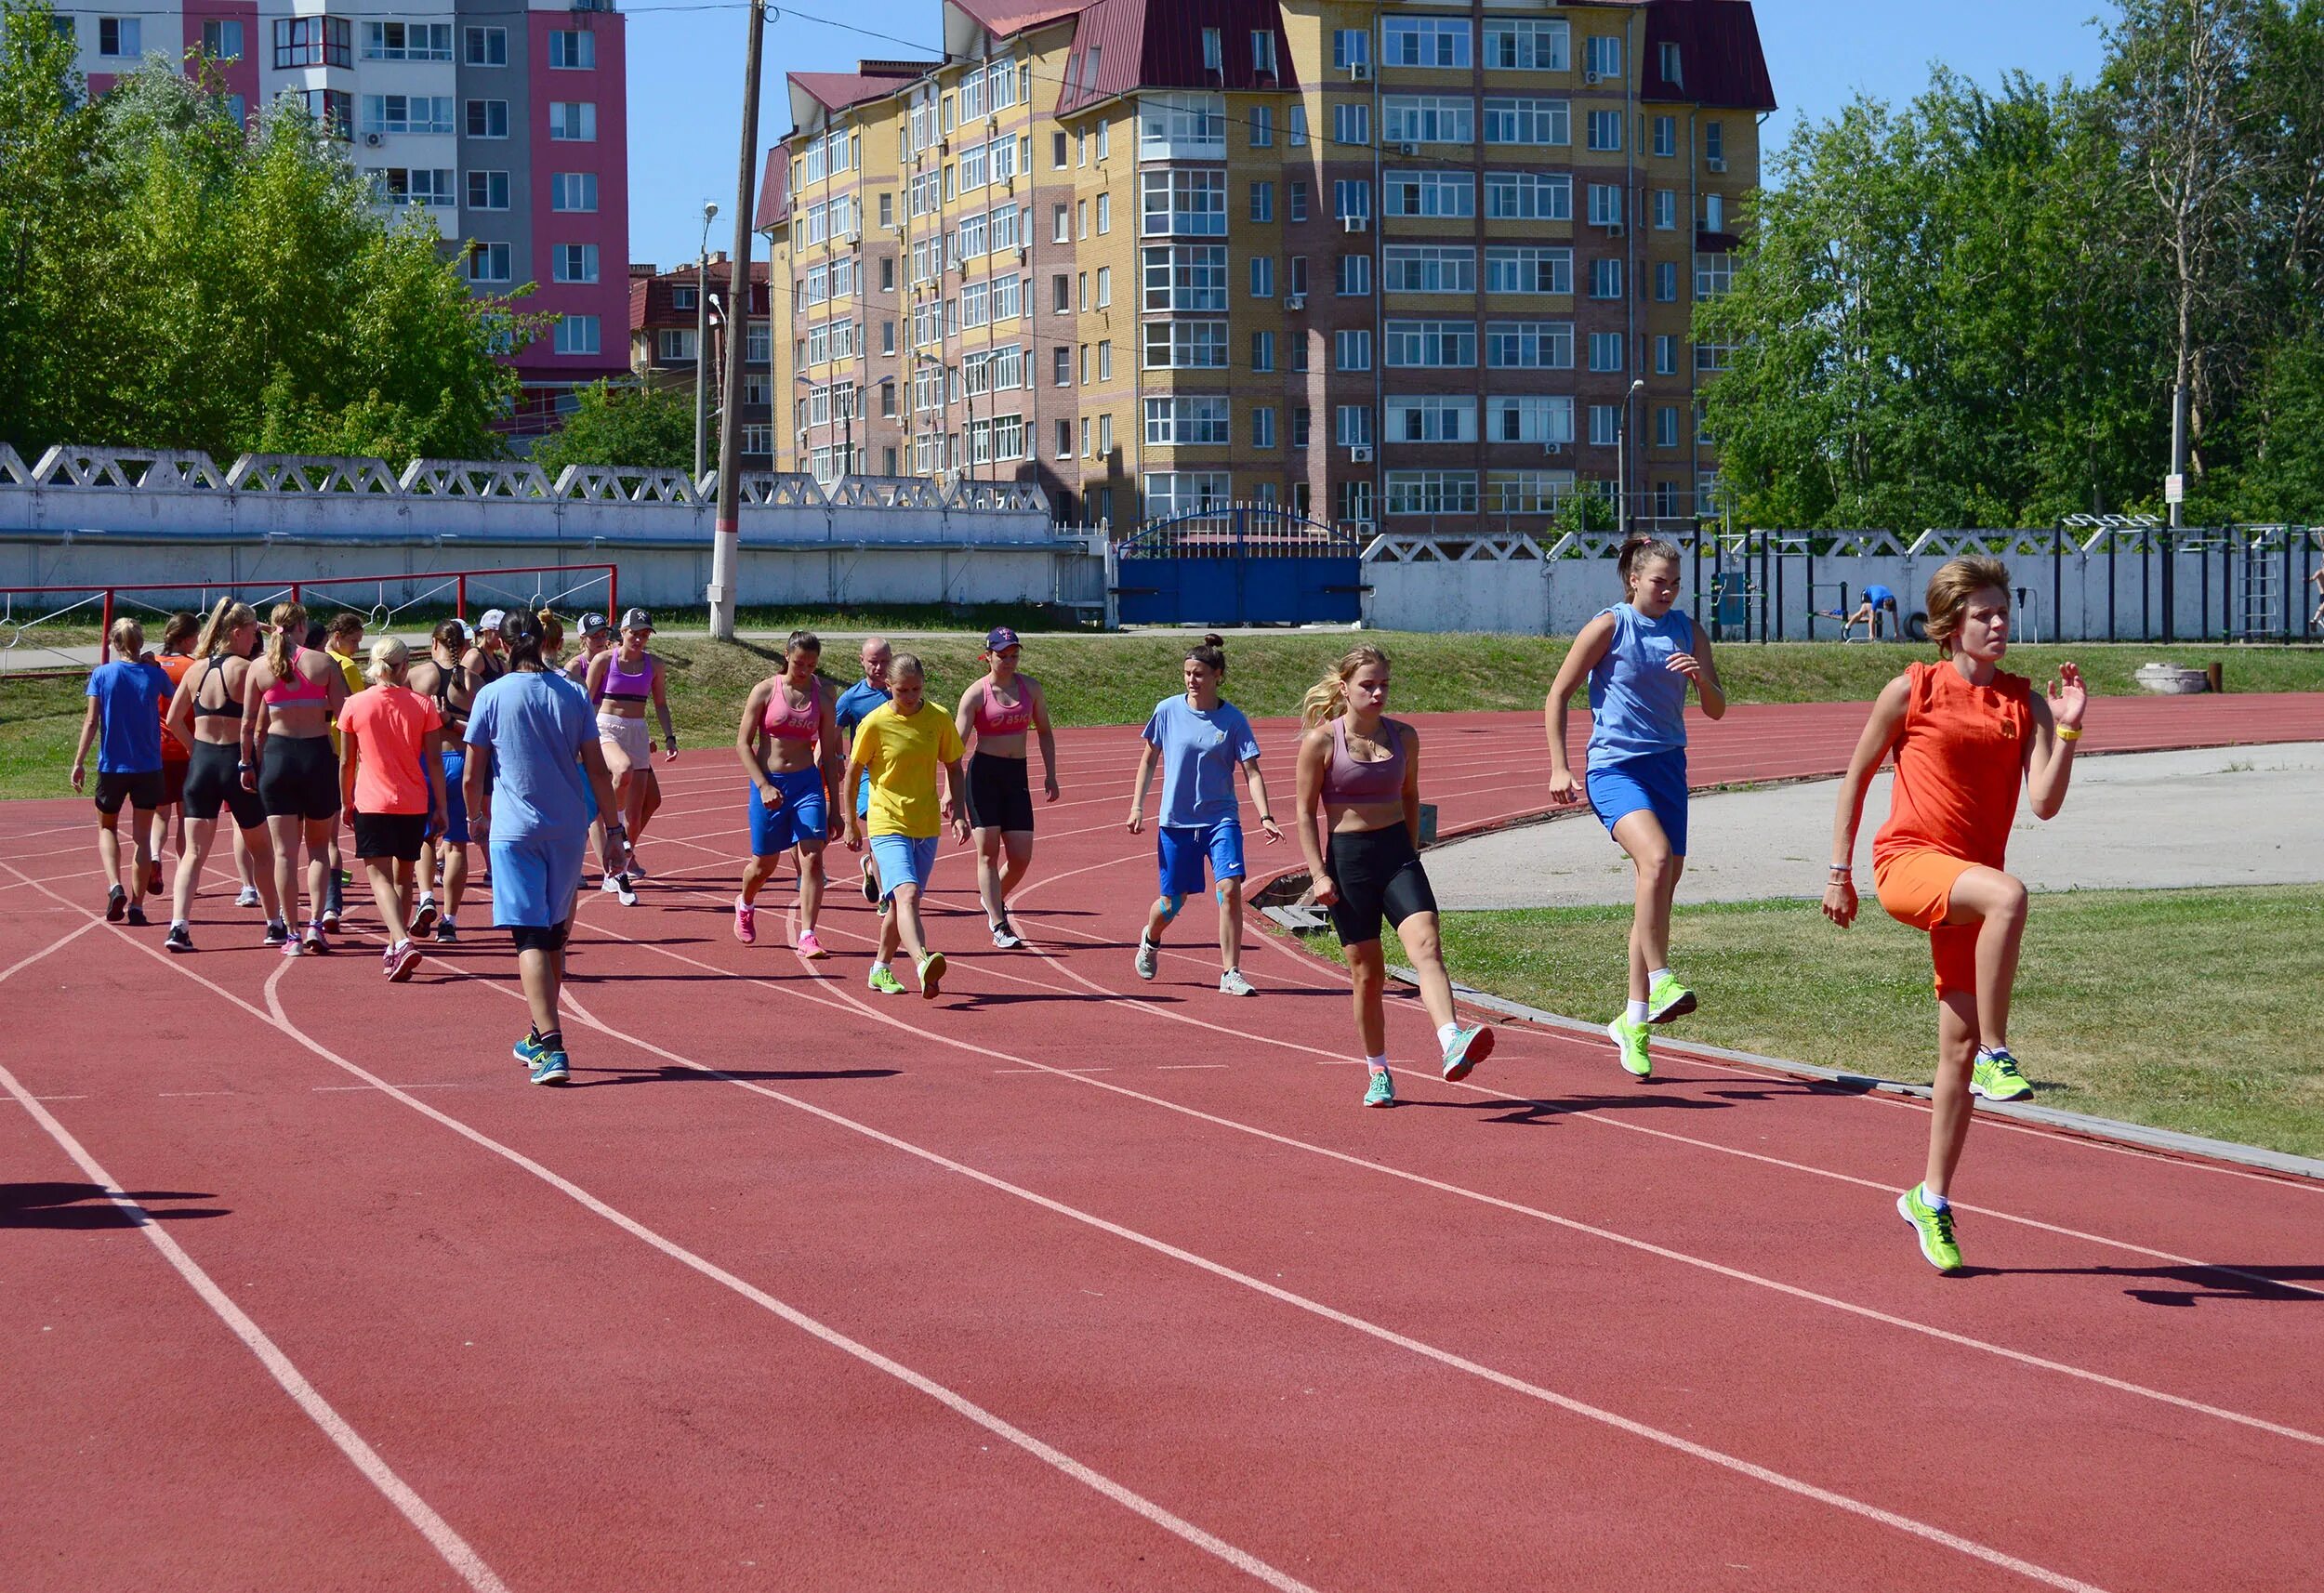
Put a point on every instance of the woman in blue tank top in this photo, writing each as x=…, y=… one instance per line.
x=1639, y=656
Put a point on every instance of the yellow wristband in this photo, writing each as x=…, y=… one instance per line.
x=2066, y=734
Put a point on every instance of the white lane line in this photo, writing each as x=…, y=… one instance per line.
x=58, y=944
x=415, y=1509
x=1185, y=1067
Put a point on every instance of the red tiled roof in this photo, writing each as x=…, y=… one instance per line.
x=1005, y=18
x=650, y=297
x=1143, y=44
x=774, y=192
x=837, y=90
x=1720, y=58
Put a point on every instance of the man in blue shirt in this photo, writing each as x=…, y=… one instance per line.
x=125, y=699
x=855, y=705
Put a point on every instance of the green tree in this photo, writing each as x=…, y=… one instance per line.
x=638, y=428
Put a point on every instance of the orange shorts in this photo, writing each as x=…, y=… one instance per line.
x=1915, y=888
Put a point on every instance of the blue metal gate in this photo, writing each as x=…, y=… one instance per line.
x=1239, y=565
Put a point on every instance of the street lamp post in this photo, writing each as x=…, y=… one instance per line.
x=702, y=345
x=1621, y=461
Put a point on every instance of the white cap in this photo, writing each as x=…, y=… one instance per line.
x=492, y=618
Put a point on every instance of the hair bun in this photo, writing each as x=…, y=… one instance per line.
x=1212, y=639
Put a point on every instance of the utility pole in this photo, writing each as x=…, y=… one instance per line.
x=1621, y=462
x=702, y=345
x=727, y=533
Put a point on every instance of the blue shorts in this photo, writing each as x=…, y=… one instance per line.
x=456, y=799
x=535, y=877
x=1182, y=850
x=1655, y=784
x=902, y=860
x=802, y=816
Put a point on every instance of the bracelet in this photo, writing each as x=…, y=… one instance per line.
x=1843, y=868
x=2066, y=734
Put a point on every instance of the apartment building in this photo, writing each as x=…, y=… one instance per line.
x=667, y=316
x=1414, y=267
x=504, y=122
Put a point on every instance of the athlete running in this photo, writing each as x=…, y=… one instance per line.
x=391, y=778
x=1964, y=735
x=1199, y=739
x=1360, y=774
x=206, y=713
x=126, y=695
x=997, y=710
x=897, y=751
x=790, y=749
x=443, y=680
x=622, y=680
x=175, y=658
x=1639, y=656
x=853, y=707
x=289, y=697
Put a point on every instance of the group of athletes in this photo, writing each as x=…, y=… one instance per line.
x=495, y=733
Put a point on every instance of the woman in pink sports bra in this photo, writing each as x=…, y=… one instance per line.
x=622, y=680
x=1000, y=709
x=289, y=696
x=792, y=750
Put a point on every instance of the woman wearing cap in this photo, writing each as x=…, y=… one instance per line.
x=207, y=716
x=445, y=681
x=789, y=746
x=621, y=681
x=596, y=637
x=391, y=778
x=997, y=710
x=289, y=698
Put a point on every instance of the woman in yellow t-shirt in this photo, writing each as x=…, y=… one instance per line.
x=898, y=747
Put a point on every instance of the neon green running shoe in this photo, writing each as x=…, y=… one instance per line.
x=1631, y=1039
x=1381, y=1091
x=886, y=983
x=1935, y=1226
x=1669, y=1000
x=1995, y=1076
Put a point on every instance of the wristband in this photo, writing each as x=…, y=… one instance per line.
x=1843, y=868
x=2066, y=734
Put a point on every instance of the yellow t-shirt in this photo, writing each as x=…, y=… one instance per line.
x=900, y=755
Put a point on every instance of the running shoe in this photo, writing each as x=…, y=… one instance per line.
x=116, y=904
x=180, y=938
x=1148, y=958
x=1232, y=983
x=1995, y=1076
x=809, y=947
x=1669, y=1000
x=247, y=897
x=1005, y=937
x=1472, y=1045
x=333, y=919
x=529, y=1052
x=292, y=945
x=746, y=922
x=885, y=982
x=316, y=945
x=402, y=960
x=871, y=883
x=424, y=918
x=1933, y=1226
x=607, y=885
x=277, y=933
x=1631, y=1039
x=137, y=915
x=447, y=932
x=626, y=892
x=550, y=1069
x=153, y=881
x=931, y=975
x=1381, y=1091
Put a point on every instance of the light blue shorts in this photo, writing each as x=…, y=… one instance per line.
x=902, y=860
x=1182, y=850
x=535, y=877
x=1655, y=784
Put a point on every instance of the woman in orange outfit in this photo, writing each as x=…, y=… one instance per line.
x=1964, y=734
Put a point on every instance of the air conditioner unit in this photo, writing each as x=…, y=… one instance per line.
x=1359, y=71
x=1023, y=253
x=1614, y=228
x=1407, y=148
x=1553, y=448
x=1296, y=301
x=1592, y=76
x=1715, y=163
x=1355, y=223
x=374, y=139
x=1360, y=453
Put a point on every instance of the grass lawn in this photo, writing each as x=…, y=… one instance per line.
x=2186, y=1009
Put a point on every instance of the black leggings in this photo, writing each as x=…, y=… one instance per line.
x=298, y=778
x=999, y=796
x=1378, y=875
x=213, y=781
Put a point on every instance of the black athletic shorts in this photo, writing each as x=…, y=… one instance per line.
x=173, y=782
x=999, y=797
x=398, y=835
x=142, y=791
x=1378, y=875
x=213, y=781
x=298, y=778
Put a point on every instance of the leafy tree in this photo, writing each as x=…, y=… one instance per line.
x=638, y=428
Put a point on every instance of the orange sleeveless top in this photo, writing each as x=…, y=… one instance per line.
x=1959, y=763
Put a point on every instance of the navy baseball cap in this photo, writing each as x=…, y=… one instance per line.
x=1000, y=638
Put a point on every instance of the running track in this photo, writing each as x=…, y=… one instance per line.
x=1067, y=1281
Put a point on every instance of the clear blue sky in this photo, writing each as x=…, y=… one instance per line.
x=685, y=77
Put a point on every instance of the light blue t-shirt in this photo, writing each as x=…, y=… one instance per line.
x=1199, y=752
x=130, y=693
x=855, y=705
x=1637, y=701
x=534, y=725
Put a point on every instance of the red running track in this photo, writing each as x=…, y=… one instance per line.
x=1066, y=1281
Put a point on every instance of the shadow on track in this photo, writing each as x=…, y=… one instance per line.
x=673, y=1075
x=59, y=1205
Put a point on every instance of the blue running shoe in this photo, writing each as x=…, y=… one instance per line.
x=529, y=1052
x=550, y=1069
x=1381, y=1091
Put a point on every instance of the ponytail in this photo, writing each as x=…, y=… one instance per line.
x=288, y=628
x=389, y=657
x=229, y=616
x=1325, y=701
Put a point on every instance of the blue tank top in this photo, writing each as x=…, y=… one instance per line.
x=1637, y=701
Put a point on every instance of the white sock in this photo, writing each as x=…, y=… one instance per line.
x=1638, y=1012
x=880, y=966
x=426, y=899
x=1378, y=1064
x=740, y=901
x=1660, y=973
x=1934, y=1202
x=182, y=922
x=1446, y=1034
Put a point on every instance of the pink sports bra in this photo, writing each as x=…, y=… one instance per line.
x=1346, y=780
x=632, y=685
x=795, y=724
x=996, y=718
x=297, y=688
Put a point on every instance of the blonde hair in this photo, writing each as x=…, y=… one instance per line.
x=128, y=637
x=1325, y=701
x=388, y=658
x=1950, y=591
x=907, y=664
x=288, y=623
x=229, y=616
x=553, y=630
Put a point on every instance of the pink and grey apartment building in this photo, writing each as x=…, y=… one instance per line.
x=507, y=122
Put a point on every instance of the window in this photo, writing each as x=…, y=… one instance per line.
x=1351, y=196
x=1428, y=344
x=1262, y=120
x=1438, y=193
x=1061, y=297
x=222, y=40
x=1064, y=439
x=1605, y=129
x=1262, y=351
x=1105, y=435
x=888, y=338
x=1714, y=212
x=1529, y=345
x=486, y=118
x=1262, y=52
x=1530, y=270
x=1666, y=354
x=1105, y=359
x=571, y=50
x=1105, y=214
x=1605, y=204
x=577, y=335
x=1431, y=492
x=573, y=263
x=1351, y=350
x=1302, y=422
x=1606, y=424
x=309, y=41
x=1060, y=224
x=1669, y=64
x=1714, y=274
x=407, y=41
x=1606, y=56
x=1263, y=202
x=1057, y=151
x=1188, y=423
x=573, y=190
x=1666, y=135
x=1351, y=426
x=1262, y=276
x=1182, y=126
x=1529, y=196
x=1081, y=218
x=1427, y=119
x=1527, y=46
x=1351, y=47
x=1105, y=287
x=573, y=121
x=1352, y=275
x=491, y=262
x=1183, y=492
x=1189, y=203
x=407, y=113
x=1666, y=426
x=1605, y=278
x=1262, y=427
x=1428, y=268
x=119, y=36
x=1351, y=123
x=488, y=190
x=1355, y=501
x=1536, y=122
x=1666, y=210
x=1299, y=199
x=1530, y=417
x=685, y=298
x=1185, y=346
x=1214, y=50
x=485, y=46
x=237, y=108
x=1715, y=145
x=1424, y=41
x=1606, y=351
x=759, y=439
x=1296, y=122
x=399, y=185
x=674, y=345
x=1105, y=134
x=1081, y=292
x=333, y=109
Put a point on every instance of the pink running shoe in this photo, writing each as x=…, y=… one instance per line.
x=810, y=947
x=746, y=922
